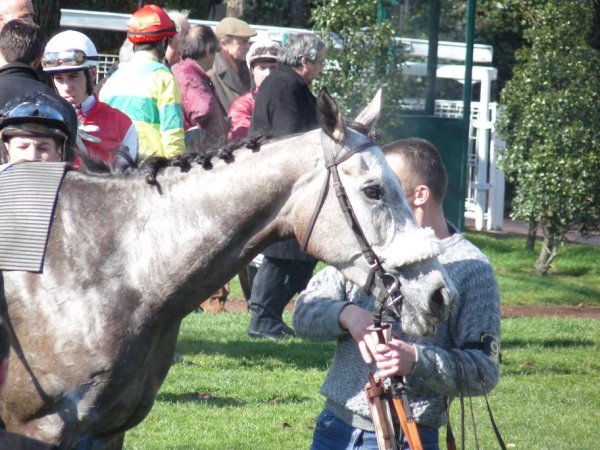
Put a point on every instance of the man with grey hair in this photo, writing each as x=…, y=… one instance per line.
x=182, y=26
x=15, y=9
x=285, y=105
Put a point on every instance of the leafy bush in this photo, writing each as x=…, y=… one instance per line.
x=550, y=122
x=281, y=13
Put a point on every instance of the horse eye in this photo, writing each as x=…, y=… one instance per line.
x=373, y=192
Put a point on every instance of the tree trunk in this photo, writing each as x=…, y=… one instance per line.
x=235, y=8
x=47, y=15
x=549, y=251
x=531, y=235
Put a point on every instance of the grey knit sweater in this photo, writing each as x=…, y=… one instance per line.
x=461, y=356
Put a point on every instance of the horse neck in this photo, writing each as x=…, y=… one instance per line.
x=207, y=224
x=242, y=204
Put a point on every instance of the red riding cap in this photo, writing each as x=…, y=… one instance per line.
x=150, y=24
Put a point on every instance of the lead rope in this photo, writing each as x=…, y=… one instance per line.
x=450, y=441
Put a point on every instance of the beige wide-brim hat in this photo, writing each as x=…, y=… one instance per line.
x=230, y=26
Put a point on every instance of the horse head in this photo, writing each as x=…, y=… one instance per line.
x=381, y=214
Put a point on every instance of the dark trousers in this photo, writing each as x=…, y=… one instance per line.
x=275, y=283
x=246, y=277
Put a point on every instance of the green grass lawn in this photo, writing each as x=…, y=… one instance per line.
x=574, y=279
x=234, y=393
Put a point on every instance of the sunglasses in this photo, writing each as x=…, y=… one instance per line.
x=66, y=58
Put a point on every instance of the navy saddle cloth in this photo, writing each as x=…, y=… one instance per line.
x=28, y=194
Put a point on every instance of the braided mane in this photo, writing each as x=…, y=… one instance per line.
x=153, y=165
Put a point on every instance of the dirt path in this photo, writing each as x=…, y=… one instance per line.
x=581, y=312
x=239, y=305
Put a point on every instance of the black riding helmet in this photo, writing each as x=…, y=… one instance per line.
x=39, y=114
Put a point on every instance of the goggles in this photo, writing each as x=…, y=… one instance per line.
x=66, y=58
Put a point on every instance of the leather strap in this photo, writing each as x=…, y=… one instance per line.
x=405, y=416
x=450, y=443
x=450, y=439
x=388, y=284
x=494, y=426
x=331, y=163
x=380, y=413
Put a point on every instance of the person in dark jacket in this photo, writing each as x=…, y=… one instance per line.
x=229, y=73
x=284, y=105
x=21, y=50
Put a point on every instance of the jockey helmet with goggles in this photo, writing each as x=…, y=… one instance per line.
x=69, y=51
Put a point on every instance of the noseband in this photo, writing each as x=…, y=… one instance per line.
x=387, y=284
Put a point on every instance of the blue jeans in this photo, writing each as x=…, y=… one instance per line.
x=332, y=433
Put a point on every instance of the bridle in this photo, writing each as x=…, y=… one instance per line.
x=385, y=284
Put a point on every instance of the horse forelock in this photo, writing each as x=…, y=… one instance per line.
x=366, y=130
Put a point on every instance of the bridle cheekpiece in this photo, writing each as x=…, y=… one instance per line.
x=385, y=284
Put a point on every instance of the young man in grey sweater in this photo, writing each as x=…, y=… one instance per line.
x=462, y=356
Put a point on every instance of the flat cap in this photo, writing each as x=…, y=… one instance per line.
x=230, y=26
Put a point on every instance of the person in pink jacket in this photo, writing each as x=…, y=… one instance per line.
x=262, y=60
x=203, y=114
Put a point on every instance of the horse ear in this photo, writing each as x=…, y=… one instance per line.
x=370, y=114
x=329, y=116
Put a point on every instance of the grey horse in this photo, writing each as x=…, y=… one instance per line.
x=94, y=334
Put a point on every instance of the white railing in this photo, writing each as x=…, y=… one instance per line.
x=101, y=20
x=106, y=61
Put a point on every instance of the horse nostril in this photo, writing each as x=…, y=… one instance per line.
x=439, y=303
